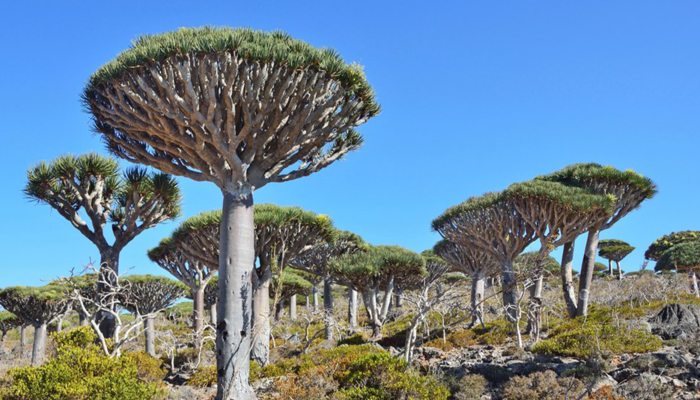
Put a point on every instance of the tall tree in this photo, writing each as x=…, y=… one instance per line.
x=629, y=190
x=148, y=294
x=239, y=108
x=318, y=261
x=475, y=264
x=683, y=257
x=504, y=224
x=614, y=250
x=377, y=269
x=91, y=186
x=188, y=270
x=36, y=306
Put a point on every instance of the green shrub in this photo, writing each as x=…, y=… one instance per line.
x=496, y=332
x=355, y=339
x=583, y=338
x=149, y=369
x=204, y=377
x=542, y=386
x=81, y=371
x=471, y=387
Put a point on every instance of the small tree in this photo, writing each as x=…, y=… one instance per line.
x=239, y=108
x=37, y=306
x=614, y=250
x=91, y=185
x=318, y=261
x=665, y=242
x=474, y=263
x=629, y=190
x=211, y=294
x=188, y=270
x=147, y=295
x=683, y=257
x=376, y=269
x=286, y=286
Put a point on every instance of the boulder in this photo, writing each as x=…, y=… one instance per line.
x=676, y=321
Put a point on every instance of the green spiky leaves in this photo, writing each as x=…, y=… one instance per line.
x=681, y=257
x=149, y=293
x=666, y=242
x=615, y=252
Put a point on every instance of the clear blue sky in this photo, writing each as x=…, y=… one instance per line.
x=476, y=95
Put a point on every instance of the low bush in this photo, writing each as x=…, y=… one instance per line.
x=204, y=377
x=470, y=387
x=542, y=386
x=81, y=371
x=458, y=339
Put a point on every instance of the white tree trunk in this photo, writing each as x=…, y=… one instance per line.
x=694, y=282
x=328, y=308
x=260, y=352
x=352, y=310
x=234, y=308
x=567, y=278
x=587, y=269
x=149, y=336
x=478, y=289
x=212, y=314
x=39, y=348
x=292, y=308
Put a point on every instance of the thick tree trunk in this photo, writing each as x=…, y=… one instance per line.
x=39, y=348
x=694, y=282
x=388, y=295
x=587, y=268
x=368, y=307
x=234, y=308
x=567, y=278
x=198, y=313
x=533, y=323
x=328, y=307
x=376, y=317
x=509, y=292
x=478, y=289
x=109, y=271
x=149, y=335
x=619, y=271
x=399, y=298
x=293, y=308
x=315, y=293
x=352, y=310
x=212, y=314
x=22, y=339
x=260, y=352
x=610, y=267
x=308, y=304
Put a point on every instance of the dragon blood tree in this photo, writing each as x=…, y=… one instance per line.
x=192, y=272
x=8, y=322
x=211, y=294
x=288, y=285
x=379, y=268
x=91, y=186
x=36, y=306
x=665, y=242
x=145, y=295
x=318, y=260
x=629, y=189
x=504, y=224
x=614, y=250
x=683, y=257
x=473, y=263
x=239, y=108
x=281, y=234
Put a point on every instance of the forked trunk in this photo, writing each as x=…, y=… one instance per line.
x=328, y=307
x=149, y=335
x=260, y=352
x=567, y=278
x=39, y=348
x=234, y=311
x=352, y=310
x=293, y=307
x=109, y=271
x=587, y=268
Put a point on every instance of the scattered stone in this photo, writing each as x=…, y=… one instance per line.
x=676, y=321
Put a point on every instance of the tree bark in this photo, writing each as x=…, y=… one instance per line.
x=610, y=267
x=567, y=278
x=212, y=314
x=308, y=304
x=293, y=307
x=587, y=268
x=388, y=295
x=149, y=334
x=619, y=271
x=352, y=310
x=509, y=292
x=694, y=282
x=260, y=352
x=234, y=308
x=109, y=271
x=22, y=339
x=279, y=308
x=399, y=298
x=478, y=289
x=315, y=292
x=328, y=307
x=39, y=348
x=198, y=314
